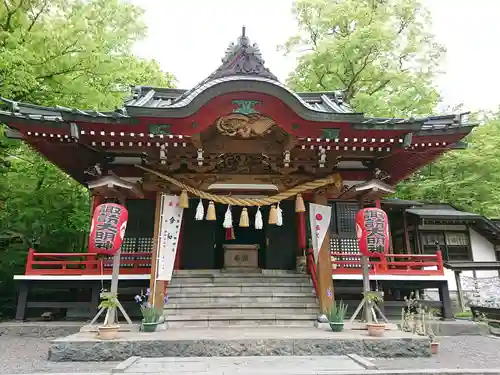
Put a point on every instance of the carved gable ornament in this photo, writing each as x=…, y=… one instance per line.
x=243, y=58
x=244, y=126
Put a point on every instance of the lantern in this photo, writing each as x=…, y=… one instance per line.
x=108, y=228
x=372, y=230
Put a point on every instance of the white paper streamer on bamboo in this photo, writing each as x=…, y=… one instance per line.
x=258, y=219
x=279, y=216
x=200, y=211
x=228, y=218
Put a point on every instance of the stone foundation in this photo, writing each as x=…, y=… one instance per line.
x=85, y=346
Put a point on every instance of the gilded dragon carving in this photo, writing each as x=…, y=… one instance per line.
x=244, y=126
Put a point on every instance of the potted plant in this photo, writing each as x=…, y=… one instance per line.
x=430, y=332
x=336, y=316
x=108, y=331
x=151, y=316
x=374, y=329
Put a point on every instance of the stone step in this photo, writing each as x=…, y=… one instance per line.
x=250, y=309
x=243, y=288
x=238, y=304
x=240, y=320
x=205, y=298
x=218, y=272
x=239, y=279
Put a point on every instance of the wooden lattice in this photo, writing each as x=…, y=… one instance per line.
x=135, y=245
x=345, y=241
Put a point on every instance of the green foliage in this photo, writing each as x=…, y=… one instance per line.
x=108, y=301
x=73, y=53
x=382, y=54
x=374, y=297
x=150, y=314
x=338, y=312
x=379, y=51
x=467, y=178
x=464, y=314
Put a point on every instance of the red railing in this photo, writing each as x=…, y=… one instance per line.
x=140, y=264
x=311, y=268
x=85, y=264
x=391, y=264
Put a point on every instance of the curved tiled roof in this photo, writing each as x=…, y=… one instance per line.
x=149, y=97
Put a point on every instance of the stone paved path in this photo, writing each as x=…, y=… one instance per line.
x=28, y=355
x=242, y=365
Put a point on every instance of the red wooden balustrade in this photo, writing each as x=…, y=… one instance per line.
x=85, y=264
x=140, y=264
x=311, y=268
x=391, y=264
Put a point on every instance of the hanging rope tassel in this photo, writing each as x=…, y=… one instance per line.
x=200, y=211
x=299, y=204
x=259, y=223
x=244, y=220
x=247, y=202
x=279, y=216
x=272, y=215
x=211, y=212
x=184, y=199
x=228, y=218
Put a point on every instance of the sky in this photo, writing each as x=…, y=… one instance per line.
x=189, y=37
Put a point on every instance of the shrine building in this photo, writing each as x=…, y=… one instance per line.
x=242, y=134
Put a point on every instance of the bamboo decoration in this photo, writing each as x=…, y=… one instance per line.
x=299, y=204
x=184, y=199
x=273, y=215
x=211, y=212
x=244, y=220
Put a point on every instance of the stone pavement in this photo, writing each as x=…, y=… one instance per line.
x=240, y=365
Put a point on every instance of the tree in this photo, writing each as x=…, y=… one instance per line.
x=74, y=53
x=380, y=52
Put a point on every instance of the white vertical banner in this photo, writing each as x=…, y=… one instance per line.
x=168, y=235
x=319, y=217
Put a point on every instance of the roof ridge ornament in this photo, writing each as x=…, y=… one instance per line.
x=243, y=58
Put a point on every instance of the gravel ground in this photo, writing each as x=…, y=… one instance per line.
x=464, y=352
x=26, y=355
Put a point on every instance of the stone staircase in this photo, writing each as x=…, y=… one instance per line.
x=222, y=299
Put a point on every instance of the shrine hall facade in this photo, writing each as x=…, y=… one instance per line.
x=242, y=133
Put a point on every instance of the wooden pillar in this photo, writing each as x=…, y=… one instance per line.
x=444, y=296
x=301, y=233
x=406, y=234
x=22, y=300
x=157, y=288
x=96, y=201
x=460, y=292
x=324, y=268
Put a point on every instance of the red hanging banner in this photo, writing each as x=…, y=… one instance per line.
x=108, y=228
x=372, y=230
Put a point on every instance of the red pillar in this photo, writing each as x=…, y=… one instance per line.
x=301, y=233
x=177, y=262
